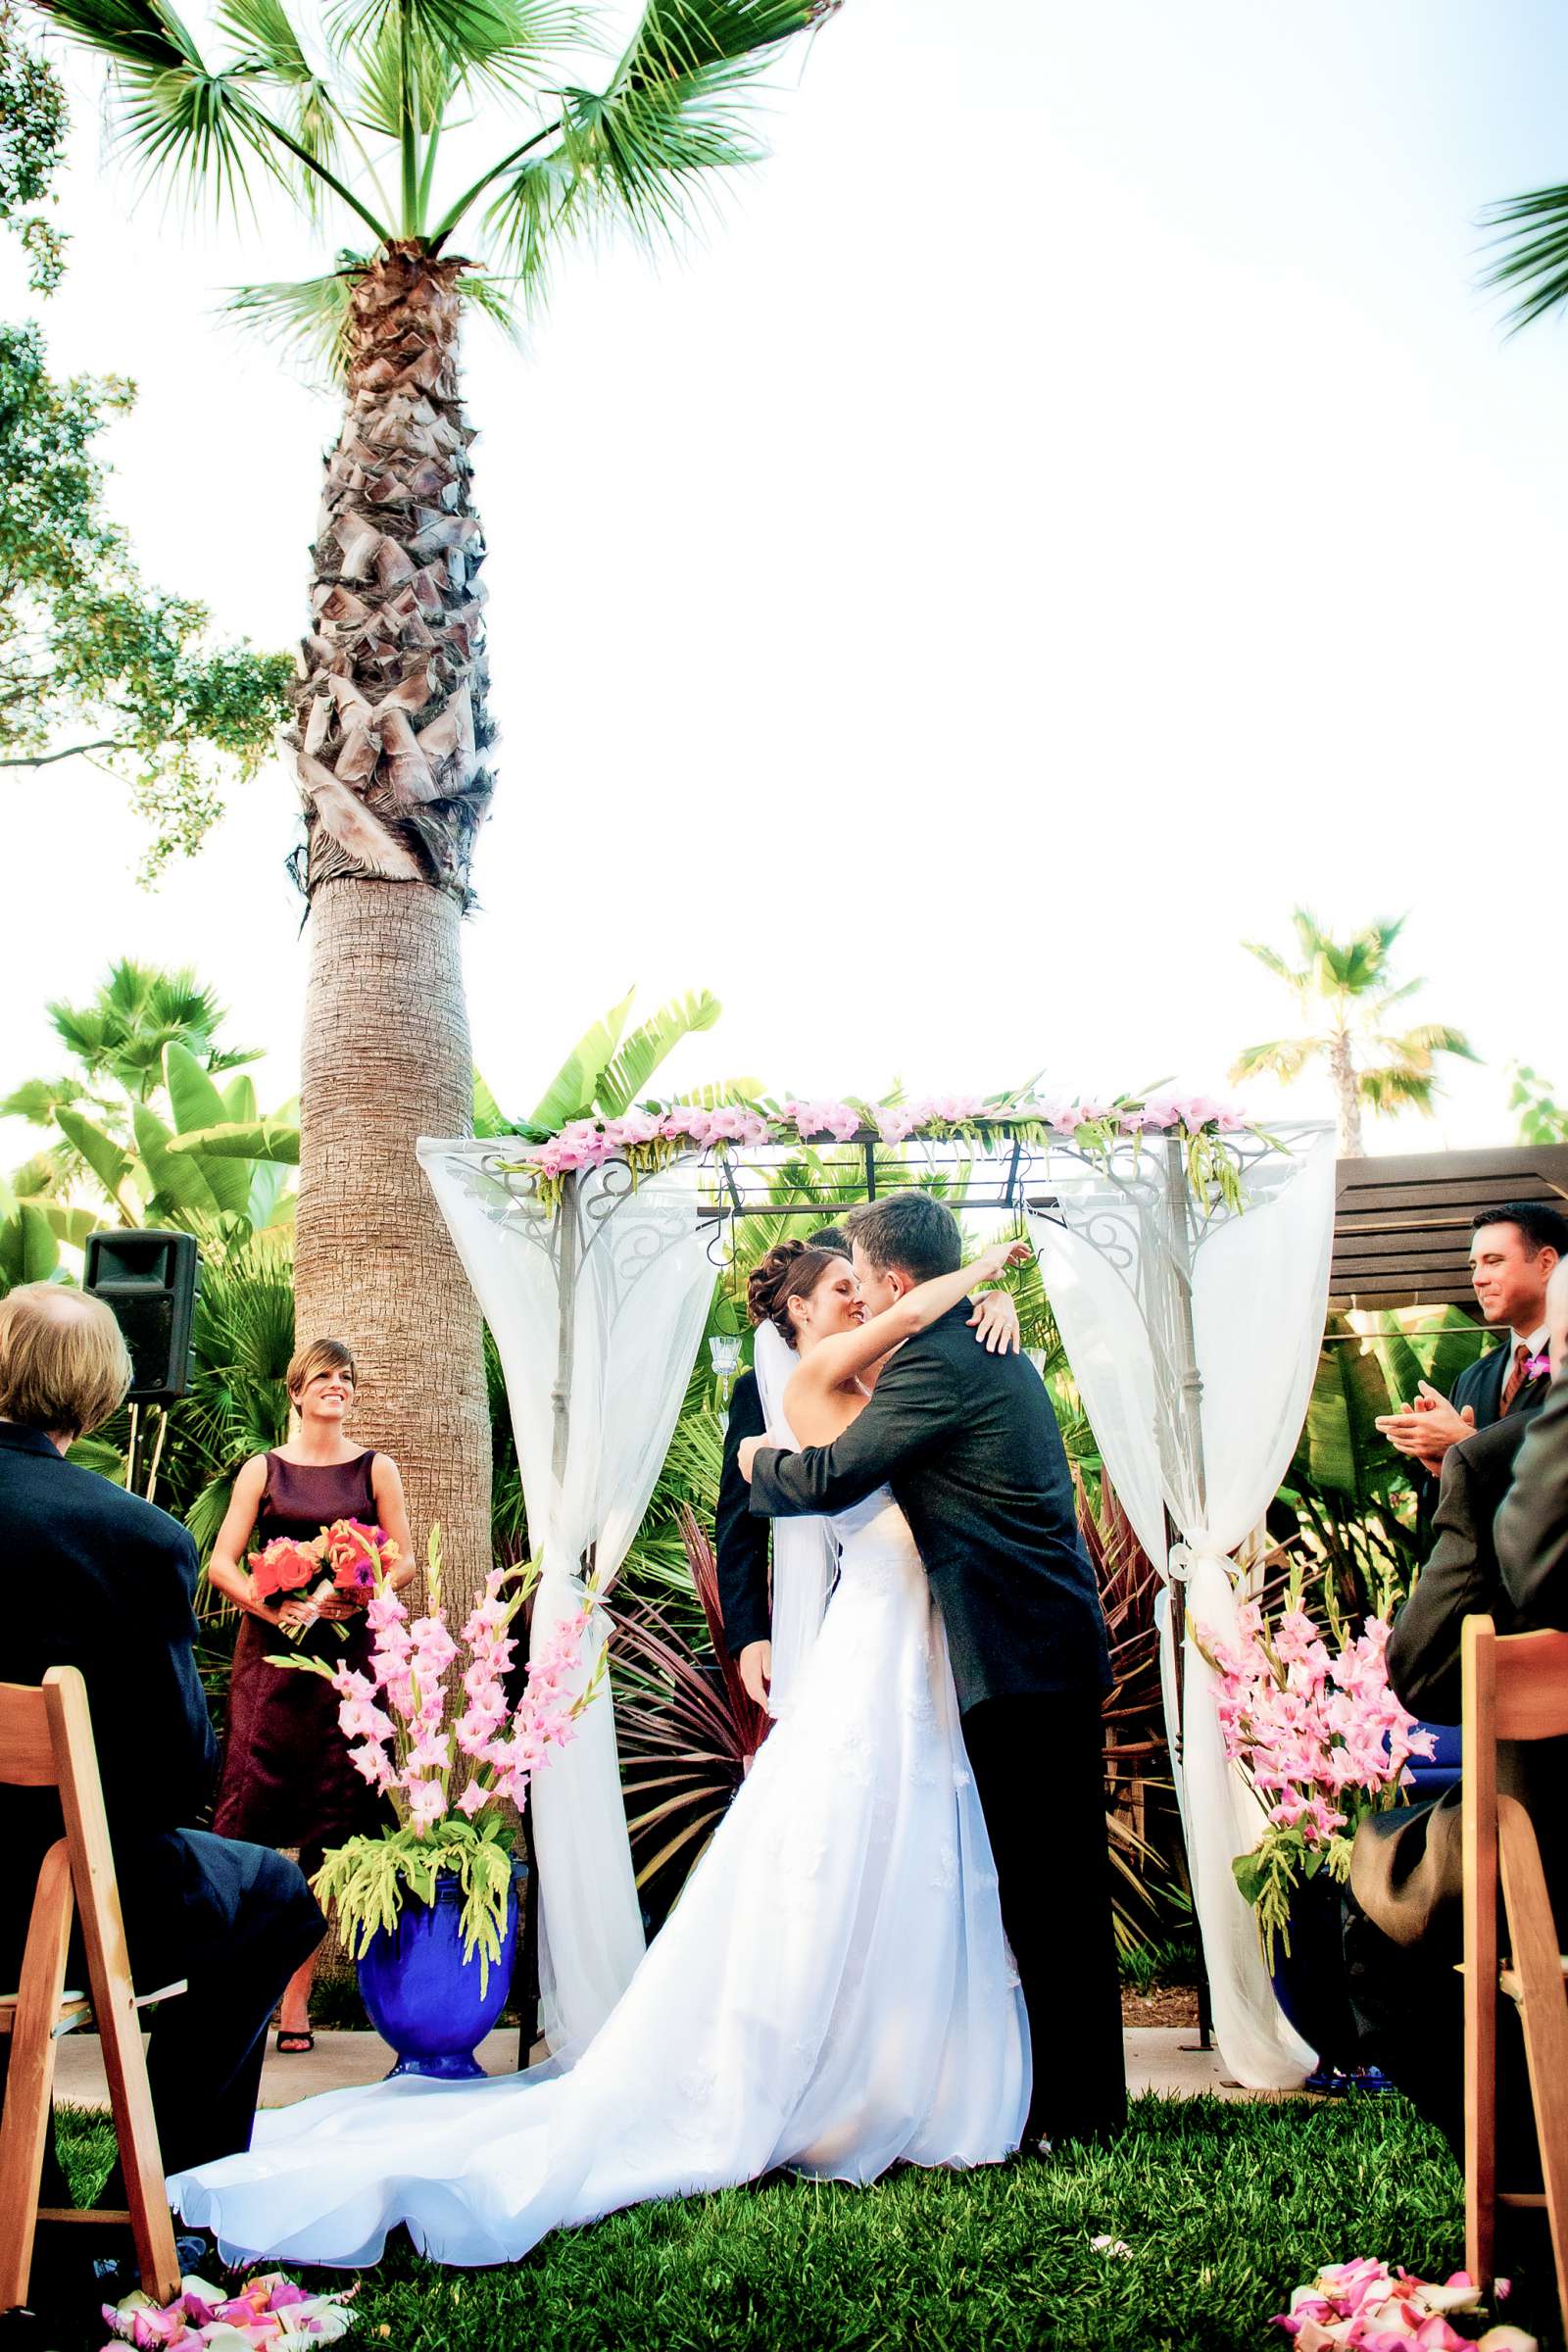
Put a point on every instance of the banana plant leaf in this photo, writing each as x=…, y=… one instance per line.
x=276, y=1140
x=29, y=1248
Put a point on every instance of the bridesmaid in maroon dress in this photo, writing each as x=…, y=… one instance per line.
x=286, y=1779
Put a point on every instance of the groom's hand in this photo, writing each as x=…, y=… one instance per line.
x=756, y=1663
x=746, y=1455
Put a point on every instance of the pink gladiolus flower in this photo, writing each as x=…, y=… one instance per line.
x=473, y=1799
x=372, y=1765
x=434, y=1650
x=431, y=1752
x=426, y=1803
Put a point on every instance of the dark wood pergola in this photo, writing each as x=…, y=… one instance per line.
x=1401, y=1225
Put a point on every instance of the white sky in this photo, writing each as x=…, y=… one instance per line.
x=1075, y=507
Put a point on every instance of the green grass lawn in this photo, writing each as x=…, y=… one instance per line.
x=1224, y=2208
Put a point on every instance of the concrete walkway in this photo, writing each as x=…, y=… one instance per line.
x=1164, y=2058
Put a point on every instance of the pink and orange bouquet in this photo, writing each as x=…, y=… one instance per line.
x=354, y=1557
x=1322, y=1740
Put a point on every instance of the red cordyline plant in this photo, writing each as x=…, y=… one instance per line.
x=686, y=1733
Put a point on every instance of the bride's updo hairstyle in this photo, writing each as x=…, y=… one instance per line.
x=789, y=1270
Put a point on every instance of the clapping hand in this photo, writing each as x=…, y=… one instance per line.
x=1426, y=1428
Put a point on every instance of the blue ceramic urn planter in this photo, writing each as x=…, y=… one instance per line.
x=423, y=1997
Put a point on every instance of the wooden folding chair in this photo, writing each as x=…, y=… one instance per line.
x=46, y=1742
x=1515, y=1688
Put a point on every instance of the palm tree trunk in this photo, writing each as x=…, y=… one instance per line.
x=391, y=730
x=1348, y=1096
x=387, y=1058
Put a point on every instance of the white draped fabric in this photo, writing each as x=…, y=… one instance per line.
x=804, y=1552
x=1206, y=1430
x=597, y=1313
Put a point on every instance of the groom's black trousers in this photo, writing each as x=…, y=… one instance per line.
x=1040, y=1774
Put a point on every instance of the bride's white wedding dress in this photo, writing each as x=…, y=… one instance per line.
x=832, y=1992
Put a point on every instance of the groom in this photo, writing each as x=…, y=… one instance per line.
x=969, y=1445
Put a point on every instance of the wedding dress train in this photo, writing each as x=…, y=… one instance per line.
x=832, y=1992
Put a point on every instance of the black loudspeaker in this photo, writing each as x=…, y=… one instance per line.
x=149, y=1283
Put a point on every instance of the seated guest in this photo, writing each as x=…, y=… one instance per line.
x=1405, y=1928
x=102, y=1581
x=1513, y=1255
x=1531, y=1527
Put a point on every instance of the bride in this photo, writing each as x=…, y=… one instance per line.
x=832, y=1992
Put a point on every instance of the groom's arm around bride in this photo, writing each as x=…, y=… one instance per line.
x=969, y=1443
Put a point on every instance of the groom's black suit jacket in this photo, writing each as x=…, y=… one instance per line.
x=969, y=1445
x=740, y=1542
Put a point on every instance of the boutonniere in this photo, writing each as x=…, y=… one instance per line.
x=1536, y=1367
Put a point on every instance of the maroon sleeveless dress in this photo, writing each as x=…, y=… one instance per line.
x=286, y=1779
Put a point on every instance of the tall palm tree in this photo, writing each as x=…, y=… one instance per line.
x=357, y=113
x=1345, y=992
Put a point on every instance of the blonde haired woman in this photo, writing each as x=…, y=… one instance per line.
x=287, y=1777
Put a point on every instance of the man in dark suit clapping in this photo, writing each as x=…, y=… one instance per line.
x=1513, y=1254
x=102, y=1581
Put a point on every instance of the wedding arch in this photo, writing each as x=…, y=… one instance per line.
x=1186, y=1259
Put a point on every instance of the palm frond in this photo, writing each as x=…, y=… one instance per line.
x=309, y=317
x=639, y=151
x=178, y=118
x=497, y=300
x=506, y=43
x=133, y=33
x=1533, y=253
x=1396, y=1086
x=269, y=49
x=1437, y=1037
x=1282, y=1058
x=387, y=66
x=528, y=219
x=1275, y=963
